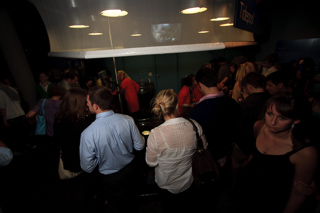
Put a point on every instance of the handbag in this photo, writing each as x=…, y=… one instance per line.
x=64, y=173
x=205, y=169
x=41, y=126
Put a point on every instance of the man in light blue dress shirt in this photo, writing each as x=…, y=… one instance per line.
x=109, y=143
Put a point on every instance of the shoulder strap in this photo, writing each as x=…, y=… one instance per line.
x=199, y=140
x=42, y=107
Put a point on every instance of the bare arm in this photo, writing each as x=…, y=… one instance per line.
x=31, y=113
x=305, y=162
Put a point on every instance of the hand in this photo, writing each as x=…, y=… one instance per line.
x=220, y=86
x=305, y=188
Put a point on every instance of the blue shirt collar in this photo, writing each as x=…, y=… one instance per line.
x=104, y=114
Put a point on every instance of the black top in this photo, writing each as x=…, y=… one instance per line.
x=251, y=109
x=67, y=135
x=218, y=118
x=266, y=182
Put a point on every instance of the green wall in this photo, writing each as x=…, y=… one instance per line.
x=165, y=70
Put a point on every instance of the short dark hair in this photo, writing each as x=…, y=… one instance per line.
x=254, y=79
x=278, y=77
x=207, y=77
x=188, y=80
x=101, y=96
x=71, y=74
x=56, y=90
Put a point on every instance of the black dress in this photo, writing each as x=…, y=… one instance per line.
x=265, y=184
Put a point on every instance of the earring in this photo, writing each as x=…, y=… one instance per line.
x=292, y=126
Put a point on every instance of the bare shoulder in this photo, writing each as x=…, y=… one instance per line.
x=257, y=127
x=307, y=154
x=308, y=151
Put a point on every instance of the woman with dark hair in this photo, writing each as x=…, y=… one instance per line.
x=188, y=96
x=280, y=174
x=72, y=118
x=51, y=106
x=227, y=84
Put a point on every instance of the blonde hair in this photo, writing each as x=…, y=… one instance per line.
x=121, y=72
x=165, y=103
x=244, y=69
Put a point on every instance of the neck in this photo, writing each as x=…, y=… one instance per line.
x=256, y=90
x=211, y=90
x=98, y=111
x=44, y=83
x=55, y=97
x=168, y=117
x=280, y=135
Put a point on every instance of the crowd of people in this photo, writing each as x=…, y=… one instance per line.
x=259, y=123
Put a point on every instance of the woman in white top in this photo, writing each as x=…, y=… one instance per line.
x=170, y=147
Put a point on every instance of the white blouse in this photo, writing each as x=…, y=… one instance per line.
x=170, y=147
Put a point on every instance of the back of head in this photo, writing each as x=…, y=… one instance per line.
x=271, y=59
x=188, y=80
x=56, y=90
x=244, y=69
x=254, y=79
x=207, y=77
x=221, y=60
x=70, y=74
x=73, y=105
x=278, y=77
x=165, y=103
x=101, y=96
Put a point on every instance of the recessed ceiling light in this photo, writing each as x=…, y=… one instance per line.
x=220, y=19
x=203, y=31
x=226, y=25
x=79, y=26
x=136, y=34
x=194, y=10
x=114, y=13
x=94, y=34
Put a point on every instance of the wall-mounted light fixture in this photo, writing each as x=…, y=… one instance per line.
x=193, y=6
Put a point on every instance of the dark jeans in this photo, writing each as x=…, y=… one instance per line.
x=121, y=189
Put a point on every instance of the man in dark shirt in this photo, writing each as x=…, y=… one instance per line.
x=217, y=114
x=253, y=84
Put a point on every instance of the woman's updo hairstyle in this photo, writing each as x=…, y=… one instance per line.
x=165, y=103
